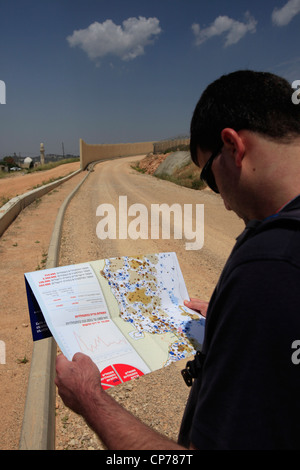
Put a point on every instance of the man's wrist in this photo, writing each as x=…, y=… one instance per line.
x=93, y=402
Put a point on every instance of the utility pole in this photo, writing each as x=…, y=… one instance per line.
x=42, y=154
x=63, y=149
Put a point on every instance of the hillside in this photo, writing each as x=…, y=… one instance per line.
x=176, y=167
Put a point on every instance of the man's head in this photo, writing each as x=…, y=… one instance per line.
x=255, y=101
x=235, y=117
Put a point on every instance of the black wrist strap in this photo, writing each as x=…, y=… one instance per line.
x=193, y=368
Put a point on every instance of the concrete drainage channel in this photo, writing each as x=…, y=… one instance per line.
x=38, y=428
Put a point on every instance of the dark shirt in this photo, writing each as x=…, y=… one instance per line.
x=248, y=396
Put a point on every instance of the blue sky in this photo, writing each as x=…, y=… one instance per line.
x=111, y=71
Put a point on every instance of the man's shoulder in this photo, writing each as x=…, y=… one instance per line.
x=274, y=239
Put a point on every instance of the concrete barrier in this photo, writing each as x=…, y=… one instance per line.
x=165, y=145
x=94, y=152
x=38, y=428
x=91, y=153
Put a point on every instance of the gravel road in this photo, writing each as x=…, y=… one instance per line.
x=158, y=399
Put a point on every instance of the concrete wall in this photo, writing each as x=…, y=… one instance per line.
x=161, y=147
x=90, y=153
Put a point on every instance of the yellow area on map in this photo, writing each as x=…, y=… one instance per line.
x=139, y=295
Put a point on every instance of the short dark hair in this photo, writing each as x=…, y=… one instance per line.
x=257, y=101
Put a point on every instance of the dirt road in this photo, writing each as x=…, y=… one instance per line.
x=19, y=183
x=158, y=398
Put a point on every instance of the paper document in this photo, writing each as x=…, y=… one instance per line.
x=126, y=313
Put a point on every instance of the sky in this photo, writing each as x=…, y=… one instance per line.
x=111, y=71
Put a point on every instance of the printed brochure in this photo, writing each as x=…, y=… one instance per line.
x=126, y=313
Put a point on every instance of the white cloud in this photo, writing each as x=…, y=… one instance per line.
x=126, y=41
x=282, y=16
x=234, y=30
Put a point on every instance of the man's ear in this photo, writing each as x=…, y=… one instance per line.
x=234, y=144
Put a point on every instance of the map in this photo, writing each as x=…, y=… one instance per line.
x=126, y=313
x=149, y=291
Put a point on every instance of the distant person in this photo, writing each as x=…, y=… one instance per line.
x=245, y=134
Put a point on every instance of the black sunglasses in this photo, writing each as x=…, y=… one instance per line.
x=207, y=175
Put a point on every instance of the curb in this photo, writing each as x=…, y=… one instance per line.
x=38, y=427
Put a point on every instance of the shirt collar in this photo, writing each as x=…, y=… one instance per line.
x=253, y=224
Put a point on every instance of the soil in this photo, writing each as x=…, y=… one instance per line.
x=19, y=183
x=151, y=162
x=158, y=398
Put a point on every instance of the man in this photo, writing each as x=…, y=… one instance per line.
x=245, y=134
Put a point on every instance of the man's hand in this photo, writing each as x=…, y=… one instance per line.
x=79, y=385
x=77, y=381
x=197, y=305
